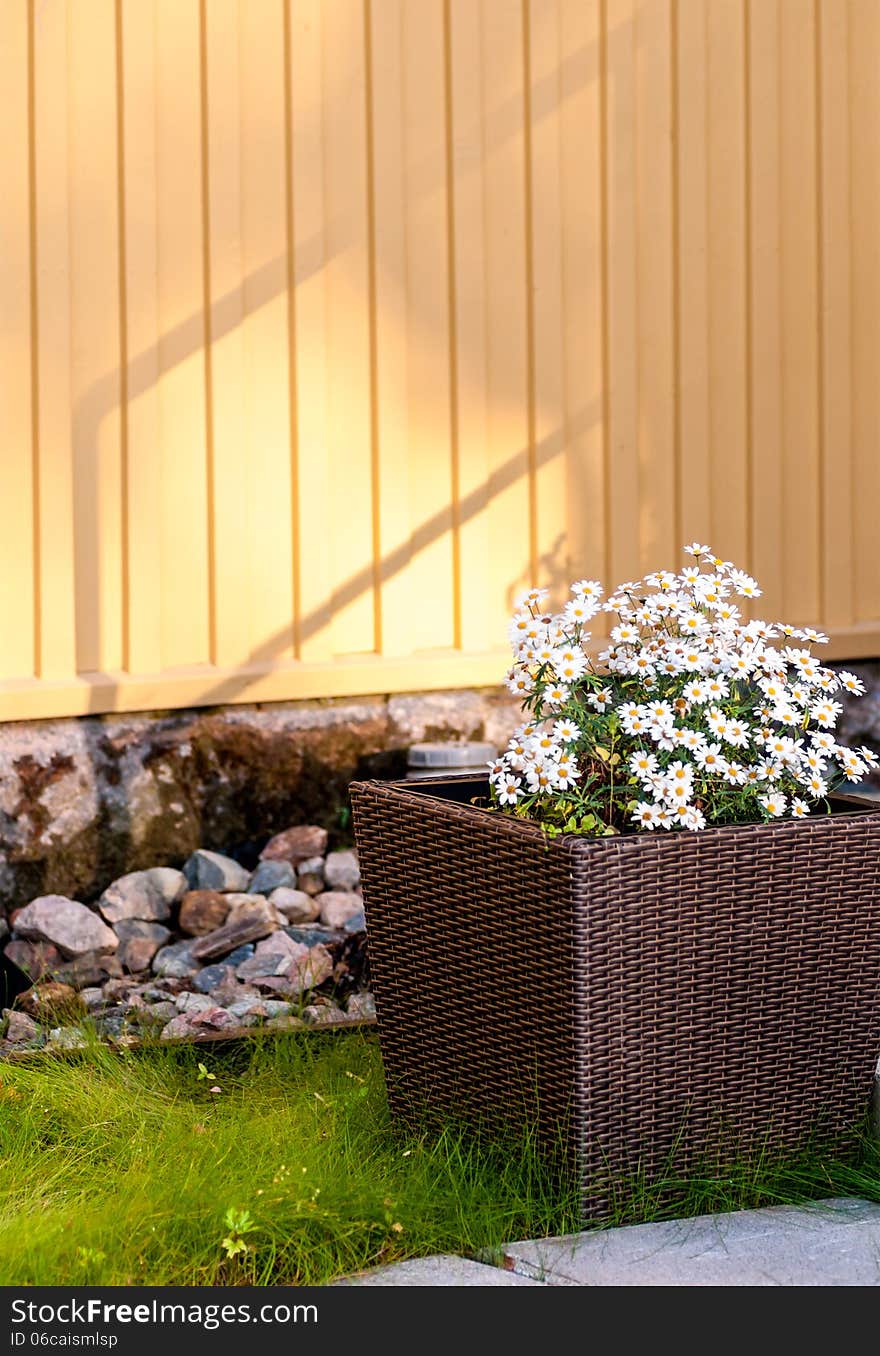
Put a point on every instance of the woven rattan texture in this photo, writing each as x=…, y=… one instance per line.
x=668, y=1003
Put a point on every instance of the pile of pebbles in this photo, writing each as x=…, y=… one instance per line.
x=212, y=950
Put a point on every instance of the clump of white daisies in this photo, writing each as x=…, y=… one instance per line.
x=691, y=716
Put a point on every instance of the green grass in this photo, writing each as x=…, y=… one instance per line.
x=125, y=1169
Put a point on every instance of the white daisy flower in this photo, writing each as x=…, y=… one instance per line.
x=717, y=721
x=646, y=815
x=519, y=682
x=799, y=808
x=567, y=731
x=643, y=764
x=851, y=763
x=775, y=804
x=745, y=585
x=710, y=758
x=692, y=817
x=579, y=611
x=736, y=734
x=509, y=791
x=587, y=588
x=544, y=745
x=600, y=700
x=869, y=757
x=695, y=549
x=826, y=712
x=541, y=775
x=556, y=695
x=566, y=774
x=851, y=682
x=822, y=740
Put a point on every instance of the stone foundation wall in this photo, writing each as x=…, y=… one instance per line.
x=83, y=801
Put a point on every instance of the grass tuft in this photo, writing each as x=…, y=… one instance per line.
x=129, y=1169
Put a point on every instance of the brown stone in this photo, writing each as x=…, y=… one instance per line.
x=223, y=940
x=34, y=958
x=251, y=907
x=296, y=844
x=92, y=968
x=51, y=1000
x=202, y=911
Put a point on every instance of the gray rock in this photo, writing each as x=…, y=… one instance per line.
x=213, y=976
x=93, y=998
x=318, y=934
x=276, y=1007
x=193, y=1002
x=273, y=956
x=143, y=894
x=300, y=973
x=20, y=1029
x=177, y=1028
x=310, y=875
x=157, y=1014
x=113, y=1021
x=834, y=1242
x=356, y=923
x=149, y=993
x=139, y=941
x=362, y=1006
x=337, y=907
x=176, y=961
x=241, y=953
x=251, y=1007
x=212, y=871
x=295, y=905
x=341, y=870
x=66, y=1038
x=65, y=923
x=322, y=1014
x=272, y=875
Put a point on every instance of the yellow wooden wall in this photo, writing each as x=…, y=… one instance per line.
x=325, y=325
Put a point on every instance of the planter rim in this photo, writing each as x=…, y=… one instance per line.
x=846, y=809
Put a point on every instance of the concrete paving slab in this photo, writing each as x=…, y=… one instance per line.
x=834, y=1242
x=439, y=1270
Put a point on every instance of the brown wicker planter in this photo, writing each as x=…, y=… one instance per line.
x=666, y=1002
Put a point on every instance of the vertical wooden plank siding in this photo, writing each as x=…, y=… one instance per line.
x=55, y=560
x=16, y=340
x=142, y=503
x=327, y=326
x=180, y=226
x=94, y=324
